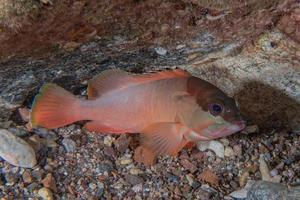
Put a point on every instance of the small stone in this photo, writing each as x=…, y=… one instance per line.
x=108, y=140
x=180, y=46
x=18, y=132
x=274, y=172
x=135, y=171
x=133, y=180
x=216, y=146
x=229, y=152
x=6, y=124
x=190, y=179
x=244, y=178
x=27, y=176
x=71, y=46
x=188, y=165
x=250, y=129
x=24, y=113
x=110, y=152
x=238, y=150
x=37, y=174
x=49, y=182
x=225, y=141
x=264, y=169
x=125, y=161
x=92, y=186
x=69, y=144
x=210, y=177
x=16, y=151
x=160, y=51
x=137, y=188
x=10, y=178
x=45, y=194
x=122, y=143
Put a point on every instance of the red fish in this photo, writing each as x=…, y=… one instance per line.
x=170, y=109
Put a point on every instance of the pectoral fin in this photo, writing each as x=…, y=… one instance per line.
x=164, y=138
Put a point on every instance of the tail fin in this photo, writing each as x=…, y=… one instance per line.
x=54, y=107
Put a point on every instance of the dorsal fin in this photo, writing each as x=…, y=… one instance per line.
x=115, y=79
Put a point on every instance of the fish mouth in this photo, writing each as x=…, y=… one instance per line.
x=234, y=127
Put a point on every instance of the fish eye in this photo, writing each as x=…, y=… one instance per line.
x=215, y=108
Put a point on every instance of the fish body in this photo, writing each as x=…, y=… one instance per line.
x=170, y=109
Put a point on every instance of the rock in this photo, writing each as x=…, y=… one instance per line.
x=11, y=178
x=188, y=165
x=71, y=46
x=16, y=151
x=45, y=194
x=135, y=171
x=122, y=143
x=261, y=190
x=250, y=129
x=18, y=132
x=190, y=179
x=125, y=161
x=137, y=188
x=108, y=140
x=92, y=186
x=160, y=51
x=216, y=146
x=264, y=169
x=229, y=152
x=238, y=150
x=37, y=174
x=144, y=155
x=49, y=182
x=210, y=177
x=244, y=178
x=27, y=176
x=133, y=180
x=24, y=113
x=242, y=194
x=69, y=144
x=6, y=124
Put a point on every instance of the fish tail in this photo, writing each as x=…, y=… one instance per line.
x=54, y=107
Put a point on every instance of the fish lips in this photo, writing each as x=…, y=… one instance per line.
x=234, y=127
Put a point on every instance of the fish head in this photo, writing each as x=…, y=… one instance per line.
x=216, y=114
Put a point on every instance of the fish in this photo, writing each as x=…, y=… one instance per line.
x=169, y=109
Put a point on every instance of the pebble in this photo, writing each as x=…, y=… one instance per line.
x=216, y=146
x=49, y=182
x=137, y=188
x=125, y=160
x=250, y=129
x=264, y=170
x=229, y=152
x=5, y=125
x=24, y=113
x=135, y=171
x=108, y=140
x=133, y=180
x=238, y=150
x=16, y=151
x=190, y=179
x=69, y=144
x=11, y=178
x=92, y=186
x=37, y=174
x=188, y=165
x=18, y=132
x=45, y=194
x=122, y=143
x=160, y=51
x=27, y=176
